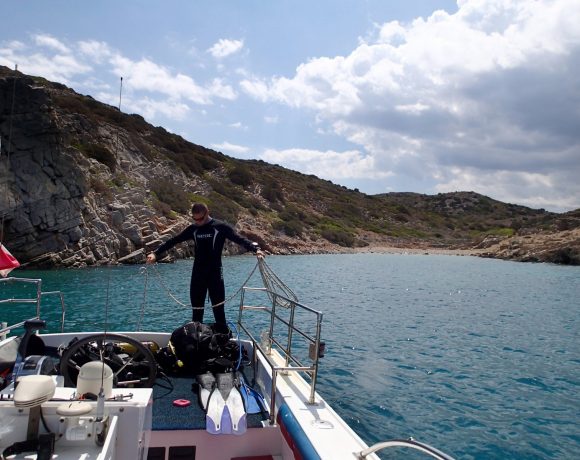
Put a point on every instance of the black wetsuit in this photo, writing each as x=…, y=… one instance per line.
x=207, y=274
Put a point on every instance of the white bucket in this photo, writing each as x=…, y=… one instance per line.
x=93, y=376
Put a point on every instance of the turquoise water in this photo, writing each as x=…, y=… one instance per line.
x=478, y=357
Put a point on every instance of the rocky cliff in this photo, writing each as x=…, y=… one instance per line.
x=84, y=184
x=57, y=195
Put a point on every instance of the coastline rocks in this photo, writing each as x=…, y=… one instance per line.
x=554, y=247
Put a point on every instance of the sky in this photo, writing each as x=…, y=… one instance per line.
x=426, y=96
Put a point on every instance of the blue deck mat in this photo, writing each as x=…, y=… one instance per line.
x=166, y=416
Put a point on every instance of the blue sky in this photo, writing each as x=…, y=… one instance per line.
x=421, y=96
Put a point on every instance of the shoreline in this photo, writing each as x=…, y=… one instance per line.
x=418, y=251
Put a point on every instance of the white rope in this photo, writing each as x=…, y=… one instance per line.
x=235, y=294
x=274, y=285
x=164, y=286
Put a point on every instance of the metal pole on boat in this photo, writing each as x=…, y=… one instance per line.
x=316, y=358
x=411, y=443
x=273, y=397
x=290, y=333
x=38, y=297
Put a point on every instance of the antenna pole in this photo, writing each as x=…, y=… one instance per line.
x=120, y=93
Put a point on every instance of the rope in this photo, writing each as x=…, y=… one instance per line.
x=164, y=286
x=275, y=285
x=271, y=281
x=177, y=301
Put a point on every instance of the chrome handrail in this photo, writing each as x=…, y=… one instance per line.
x=62, y=307
x=411, y=443
x=284, y=348
x=30, y=300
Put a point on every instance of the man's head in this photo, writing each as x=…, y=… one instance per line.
x=200, y=213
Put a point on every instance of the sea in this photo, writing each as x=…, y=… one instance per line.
x=479, y=358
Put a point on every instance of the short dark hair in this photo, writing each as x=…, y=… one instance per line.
x=199, y=208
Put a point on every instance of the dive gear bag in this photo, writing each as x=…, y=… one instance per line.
x=197, y=348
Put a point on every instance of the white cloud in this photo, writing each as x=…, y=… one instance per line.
x=47, y=57
x=50, y=42
x=227, y=147
x=415, y=109
x=149, y=87
x=256, y=88
x=328, y=164
x=272, y=120
x=150, y=108
x=238, y=125
x=225, y=47
x=220, y=89
x=58, y=68
x=95, y=50
x=146, y=75
x=508, y=185
x=492, y=90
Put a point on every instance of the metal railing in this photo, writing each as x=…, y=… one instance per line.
x=409, y=443
x=291, y=361
x=36, y=299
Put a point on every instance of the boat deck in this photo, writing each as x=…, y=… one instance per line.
x=167, y=416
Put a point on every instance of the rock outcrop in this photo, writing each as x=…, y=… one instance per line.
x=561, y=247
x=54, y=212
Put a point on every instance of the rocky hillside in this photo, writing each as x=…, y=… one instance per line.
x=83, y=183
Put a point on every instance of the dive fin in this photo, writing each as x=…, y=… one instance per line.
x=225, y=410
x=206, y=384
x=236, y=411
x=214, y=414
x=253, y=400
x=225, y=383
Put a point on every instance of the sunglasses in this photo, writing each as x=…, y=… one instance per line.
x=199, y=219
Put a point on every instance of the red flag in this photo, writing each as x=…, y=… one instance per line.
x=7, y=261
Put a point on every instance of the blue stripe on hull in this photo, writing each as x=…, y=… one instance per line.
x=295, y=435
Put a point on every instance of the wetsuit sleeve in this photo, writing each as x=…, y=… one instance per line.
x=185, y=235
x=232, y=235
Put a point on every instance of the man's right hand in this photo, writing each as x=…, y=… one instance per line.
x=151, y=258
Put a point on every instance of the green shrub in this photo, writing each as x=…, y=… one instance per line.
x=100, y=153
x=205, y=159
x=240, y=175
x=167, y=192
x=101, y=188
x=500, y=231
x=289, y=223
x=345, y=210
x=223, y=208
x=272, y=192
x=337, y=236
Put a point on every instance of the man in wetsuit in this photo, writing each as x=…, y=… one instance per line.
x=209, y=236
